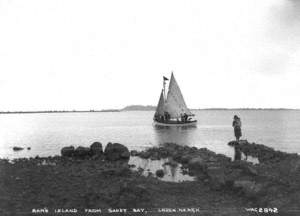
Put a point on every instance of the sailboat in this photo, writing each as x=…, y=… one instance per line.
x=171, y=109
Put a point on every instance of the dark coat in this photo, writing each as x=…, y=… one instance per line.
x=237, y=128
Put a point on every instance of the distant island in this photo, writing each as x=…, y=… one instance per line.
x=139, y=108
x=244, y=109
x=59, y=111
x=132, y=108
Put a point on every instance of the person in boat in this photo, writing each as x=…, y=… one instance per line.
x=167, y=116
x=237, y=125
x=185, y=116
x=181, y=117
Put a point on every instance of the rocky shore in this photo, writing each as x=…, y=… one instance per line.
x=90, y=177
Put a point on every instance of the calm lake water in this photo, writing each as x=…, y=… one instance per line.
x=46, y=134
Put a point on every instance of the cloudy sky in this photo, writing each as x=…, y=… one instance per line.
x=69, y=54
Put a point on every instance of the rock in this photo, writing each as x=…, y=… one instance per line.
x=28, y=148
x=140, y=170
x=134, y=153
x=123, y=170
x=67, y=151
x=194, y=148
x=125, y=155
x=263, y=153
x=16, y=148
x=191, y=173
x=163, y=153
x=145, y=154
x=233, y=143
x=243, y=142
x=185, y=159
x=185, y=172
x=116, y=151
x=82, y=152
x=160, y=173
x=250, y=188
x=295, y=166
x=245, y=166
x=222, y=158
x=96, y=149
x=197, y=163
x=233, y=175
x=236, y=143
x=217, y=177
x=212, y=159
x=171, y=163
x=155, y=156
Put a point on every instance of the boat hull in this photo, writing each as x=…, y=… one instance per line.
x=175, y=124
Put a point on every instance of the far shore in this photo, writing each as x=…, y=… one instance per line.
x=138, y=109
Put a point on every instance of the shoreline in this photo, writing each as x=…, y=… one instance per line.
x=106, y=180
x=125, y=110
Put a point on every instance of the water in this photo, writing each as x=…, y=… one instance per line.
x=46, y=133
x=149, y=167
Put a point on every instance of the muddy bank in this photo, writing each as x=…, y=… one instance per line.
x=104, y=179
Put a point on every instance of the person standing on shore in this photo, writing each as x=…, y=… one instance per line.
x=237, y=124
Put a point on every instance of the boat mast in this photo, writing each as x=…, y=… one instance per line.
x=164, y=87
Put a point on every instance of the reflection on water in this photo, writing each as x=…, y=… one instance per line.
x=250, y=159
x=239, y=155
x=172, y=173
x=180, y=135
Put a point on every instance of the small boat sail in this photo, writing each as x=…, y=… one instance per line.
x=171, y=109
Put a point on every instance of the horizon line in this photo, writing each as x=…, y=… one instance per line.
x=122, y=109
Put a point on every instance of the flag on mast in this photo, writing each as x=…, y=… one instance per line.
x=165, y=78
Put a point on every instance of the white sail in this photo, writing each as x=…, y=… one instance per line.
x=175, y=104
x=161, y=105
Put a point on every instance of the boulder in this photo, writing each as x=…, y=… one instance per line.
x=185, y=159
x=155, y=156
x=160, y=173
x=125, y=155
x=247, y=167
x=16, y=148
x=163, y=153
x=96, y=148
x=134, y=153
x=82, y=152
x=116, y=151
x=145, y=154
x=67, y=151
x=197, y=163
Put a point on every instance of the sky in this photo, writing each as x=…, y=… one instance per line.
x=70, y=54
